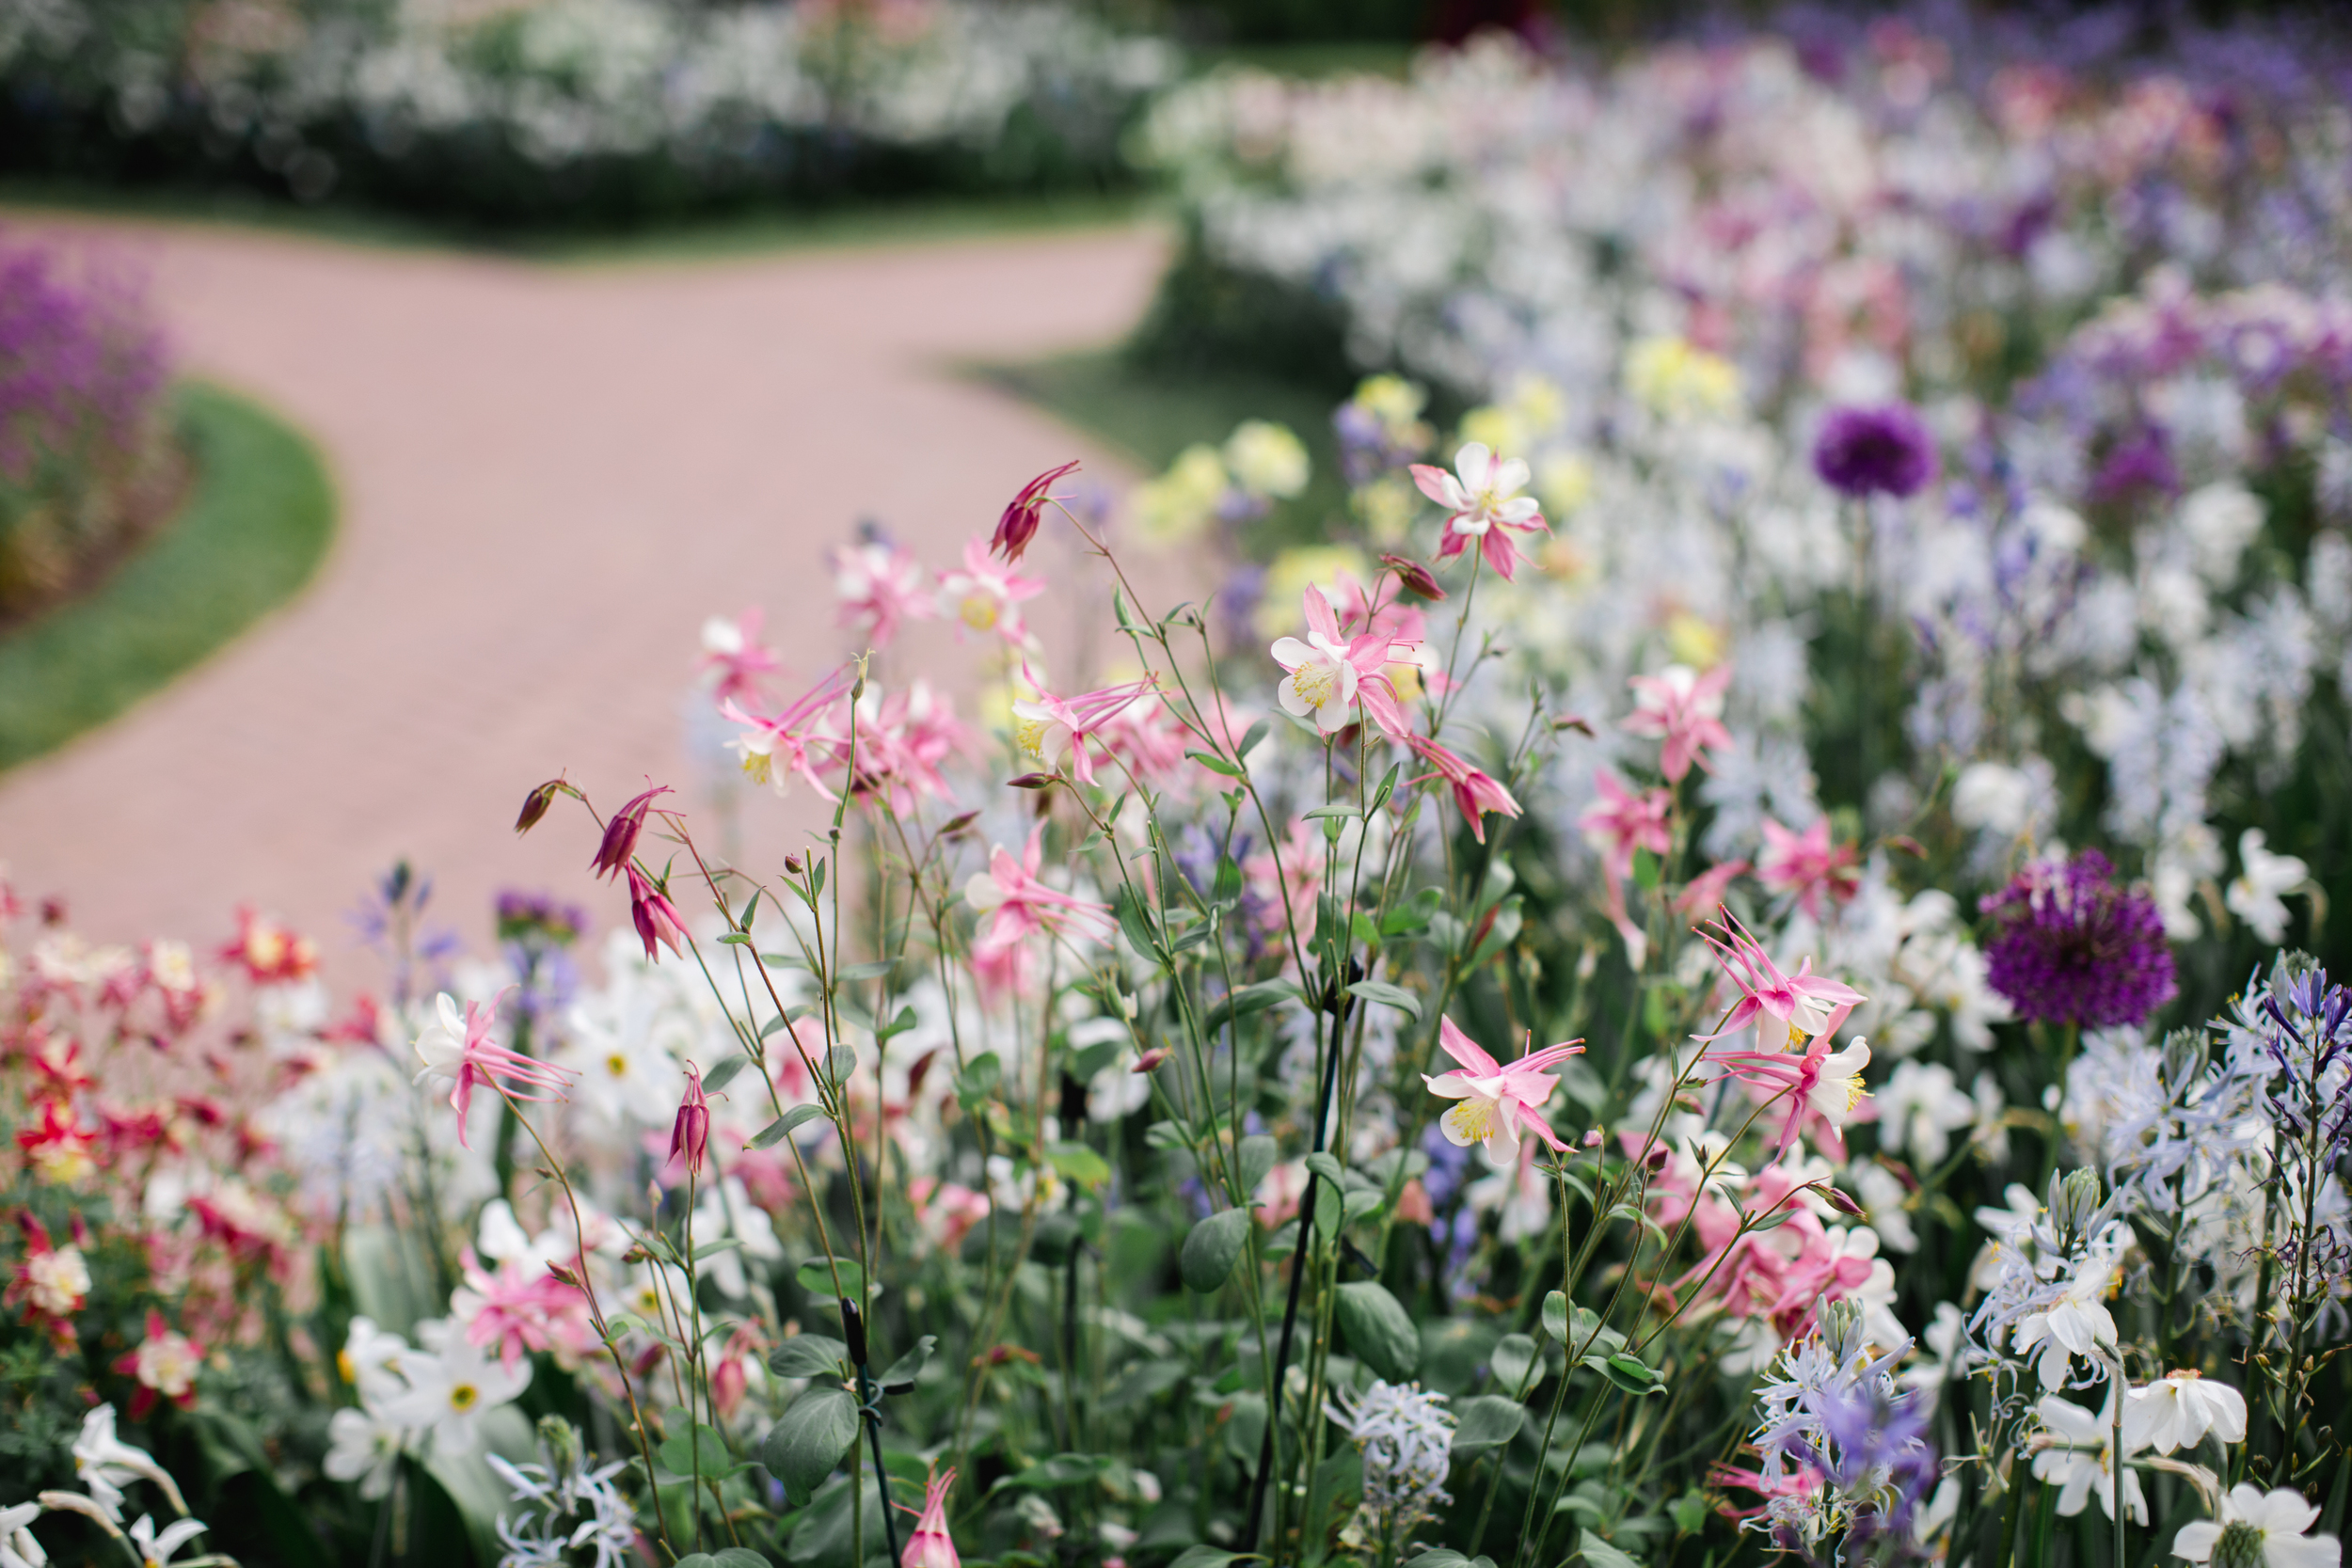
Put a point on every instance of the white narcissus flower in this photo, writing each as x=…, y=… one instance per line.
x=2075, y=1324
x=156, y=1549
x=18, y=1549
x=2254, y=897
x=364, y=1448
x=2178, y=1409
x=2083, y=1460
x=105, y=1464
x=449, y=1389
x=2277, y=1522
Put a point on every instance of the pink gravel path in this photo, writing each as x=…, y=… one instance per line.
x=548, y=478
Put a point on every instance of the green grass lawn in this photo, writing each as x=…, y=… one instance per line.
x=258, y=520
x=1150, y=416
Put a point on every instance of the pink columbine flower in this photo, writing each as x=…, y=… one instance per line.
x=1050, y=728
x=1807, y=865
x=1621, y=822
x=690, y=1135
x=621, y=831
x=1287, y=877
x=903, y=737
x=931, y=1546
x=1483, y=494
x=1823, y=1086
x=1705, y=894
x=733, y=656
x=799, y=739
x=987, y=594
x=654, y=917
x=165, y=1365
x=1329, y=673
x=1018, y=525
x=1018, y=906
x=1685, y=710
x=462, y=1050
x=1808, y=1006
x=1492, y=1103
x=1474, y=792
x=879, y=585
x=521, y=1308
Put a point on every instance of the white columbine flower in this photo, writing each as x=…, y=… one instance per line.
x=2273, y=1525
x=2083, y=1461
x=2178, y=1409
x=449, y=1390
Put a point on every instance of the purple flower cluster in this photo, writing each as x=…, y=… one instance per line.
x=80, y=364
x=2309, y=1041
x=2069, y=946
x=1864, y=452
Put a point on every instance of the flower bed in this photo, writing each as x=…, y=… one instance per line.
x=576, y=111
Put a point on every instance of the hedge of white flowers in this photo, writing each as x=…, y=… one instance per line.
x=578, y=109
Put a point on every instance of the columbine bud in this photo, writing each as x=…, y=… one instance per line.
x=1018, y=525
x=2075, y=1199
x=690, y=1135
x=932, y=1547
x=1657, y=1156
x=535, y=806
x=620, y=834
x=1415, y=576
x=656, y=917
x=1592, y=1138
x=1840, y=1201
x=1150, y=1061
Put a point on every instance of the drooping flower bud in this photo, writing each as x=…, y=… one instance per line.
x=620, y=834
x=690, y=1135
x=656, y=917
x=535, y=806
x=1151, y=1060
x=1018, y=525
x=1415, y=576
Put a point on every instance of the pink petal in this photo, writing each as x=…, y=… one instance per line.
x=1465, y=1050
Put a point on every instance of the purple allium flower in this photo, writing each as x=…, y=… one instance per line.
x=2070, y=946
x=1865, y=450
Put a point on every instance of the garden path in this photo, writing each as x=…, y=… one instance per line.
x=548, y=476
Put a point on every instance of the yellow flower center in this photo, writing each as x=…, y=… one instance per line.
x=617, y=1065
x=1029, y=735
x=343, y=1365
x=757, y=766
x=980, y=613
x=1473, y=1120
x=463, y=1396
x=1855, y=1094
x=1313, y=684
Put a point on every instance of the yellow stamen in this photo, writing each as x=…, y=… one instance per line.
x=980, y=613
x=756, y=766
x=1029, y=735
x=1473, y=1120
x=1313, y=682
x=463, y=1395
x=617, y=1065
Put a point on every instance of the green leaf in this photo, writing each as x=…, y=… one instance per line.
x=1135, y=924
x=901, y=1373
x=840, y=1062
x=809, y=1438
x=1329, y=1167
x=1207, y=1557
x=1379, y=1330
x=751, y=910
x=1646, y=870
x=1514, y=1358
x=900, y=1025
x=1485, y=1422
x=1249, y=738
x=1207, y=1260
x=679, y=1452
x=978, y=1081
x=1556, y=1316
x=1626, y=1371
x=1166, y=1134
x=778, y=1130
x=817, y=1275
x=1214, y=763
x=1600, y=1554
x=1321, y=812
x=723, y=1074
x=1258, y=1154
x=1388, y=787
x=1079, y=1163
x=874, y=970
x=1387, y=995
x=809, y=1355
x=1330, y=1208
x=736, y=939
x=1248, y=1000
x=817, y=881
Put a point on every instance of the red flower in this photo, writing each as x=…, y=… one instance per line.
x=690, y=1135
x=1018, y=525
x=620, y=834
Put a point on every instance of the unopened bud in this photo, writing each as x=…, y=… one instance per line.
x=1840, y=1201
x=1030, y=781
x=794, y=865
x=1592, y=1138
x=561, y=1441
x=1657, y=1156
x=2075, y=1200
x=1416, y=577
x=1573, y=721
x=2185, y=1056
x=1150, y=1061
x=1842, y=1327
x=957, y=824
x=535, y=806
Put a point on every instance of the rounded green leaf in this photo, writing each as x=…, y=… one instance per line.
x=1379, y=1330
x=1486, y=1421
x=808, y=1440
x=809, y=1355
x=1207, y=1260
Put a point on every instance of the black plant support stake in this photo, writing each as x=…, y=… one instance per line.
x=1298, y=1268
x=870, y=1406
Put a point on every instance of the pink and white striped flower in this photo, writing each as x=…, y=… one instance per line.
x=987, y=594
x=1329, y=673
x=1492, y=1103
x=1475, y=793
x=800, y=739
x=1016, y=905
x=1050, y=728
x=462, y=1050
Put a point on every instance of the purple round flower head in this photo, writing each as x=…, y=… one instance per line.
x=2070, y=946
x=1863, y=450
